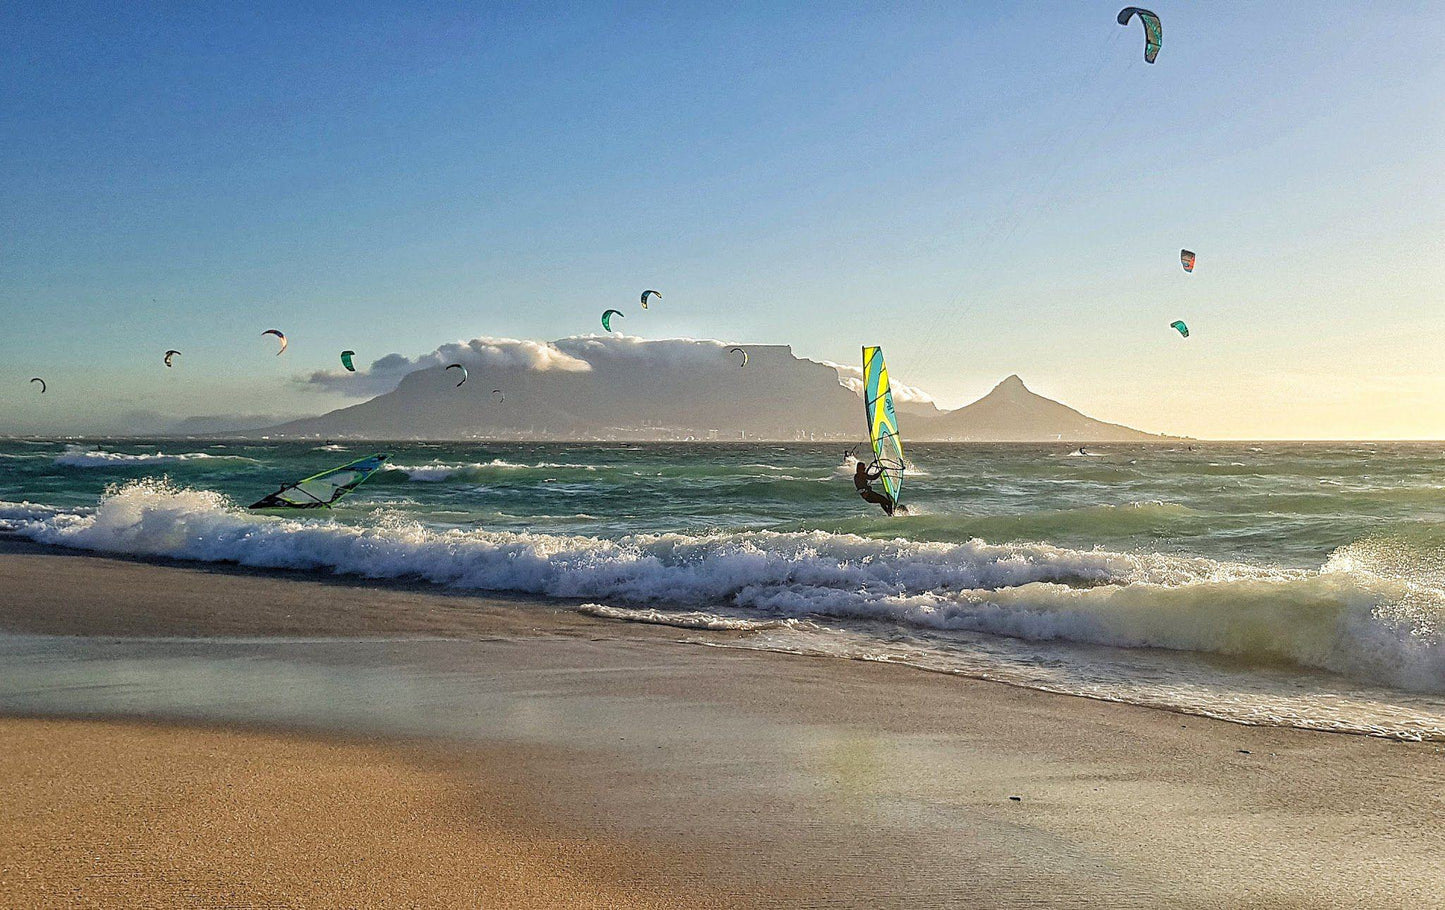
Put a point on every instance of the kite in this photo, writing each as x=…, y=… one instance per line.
x=1179, y=325
x=607, y=318
x=1186, y=259
x=1153, y=29
x=457, y=366
x=346, y=360
x=169, y=355
x=742, y=352
x=42, y=384
x=279, y=334
x=657, y=294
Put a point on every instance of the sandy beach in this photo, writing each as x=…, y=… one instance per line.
x=637, y=769
x=949, y=455
x=107, y=815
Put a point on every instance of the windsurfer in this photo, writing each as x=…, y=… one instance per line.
x=863, y=480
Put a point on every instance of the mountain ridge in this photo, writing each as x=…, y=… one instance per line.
x=1011, y=412
x=600, y=388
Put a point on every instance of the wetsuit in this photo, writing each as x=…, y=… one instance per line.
x=862, y=480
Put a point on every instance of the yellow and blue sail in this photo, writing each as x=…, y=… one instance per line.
x=882, y=422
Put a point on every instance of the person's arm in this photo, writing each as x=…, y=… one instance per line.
x=874, y=473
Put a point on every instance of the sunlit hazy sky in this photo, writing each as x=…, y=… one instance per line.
x=982, y=188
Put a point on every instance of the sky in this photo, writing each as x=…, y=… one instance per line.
x=981, y=188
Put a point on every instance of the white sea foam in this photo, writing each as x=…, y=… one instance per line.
x=1355, y=617
x=17, y=517
x=691, y=619
x=432, y=473
x=76, y=456
x=435, y=472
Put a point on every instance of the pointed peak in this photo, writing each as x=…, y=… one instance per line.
x=1011, y=384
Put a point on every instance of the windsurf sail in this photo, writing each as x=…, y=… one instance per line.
x=319, y=491
x=882, y=422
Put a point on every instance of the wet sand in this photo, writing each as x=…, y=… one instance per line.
x=665, y=773
x=56, y=591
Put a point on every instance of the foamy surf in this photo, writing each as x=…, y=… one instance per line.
x=437, y=472
x=76, y=456
x=690, y=619
x=1155, y=679
x=1354, y=617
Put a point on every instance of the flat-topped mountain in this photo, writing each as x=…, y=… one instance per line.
x=624, y=388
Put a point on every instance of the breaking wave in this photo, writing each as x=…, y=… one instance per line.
x=1132, y=518
x=432, y=473
x=1366, y=614
x=88, y=457
x=692, y=619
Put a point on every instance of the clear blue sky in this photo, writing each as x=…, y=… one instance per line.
x=1008, y=185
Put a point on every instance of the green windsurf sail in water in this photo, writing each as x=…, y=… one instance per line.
x=882, y=422
x=319, y=491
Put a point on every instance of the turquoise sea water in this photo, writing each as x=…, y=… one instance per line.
x=1297, y=584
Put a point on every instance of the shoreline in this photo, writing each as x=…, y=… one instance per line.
x=733, y=777
x=379, y=605
x=415, y=607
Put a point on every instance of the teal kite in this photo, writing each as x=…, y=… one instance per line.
x=646, y=294
x=607, y=318
x=1153, y=29
x=1179, y=325
x=346, y=360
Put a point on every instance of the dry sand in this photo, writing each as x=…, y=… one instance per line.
x=135, y=815
x=706, y=776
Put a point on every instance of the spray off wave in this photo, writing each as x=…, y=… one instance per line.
x=1352, y=617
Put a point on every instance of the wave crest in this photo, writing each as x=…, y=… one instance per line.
x=689, y=620
x=432, y=473
x=76, y=456
x=1352, y=619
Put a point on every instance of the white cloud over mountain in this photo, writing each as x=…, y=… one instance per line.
x=386, y=372
x=576, y=354
x=852, y=377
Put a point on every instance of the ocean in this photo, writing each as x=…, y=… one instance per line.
x=1298, y=584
